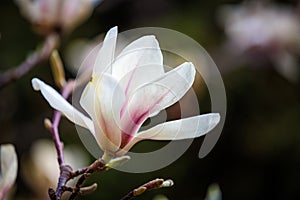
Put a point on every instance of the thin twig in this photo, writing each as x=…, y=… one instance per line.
x=65, y=170
x=53, y=127
x=66, y=91
x=97, y=166
x=31, y=61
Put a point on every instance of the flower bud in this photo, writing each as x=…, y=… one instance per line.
x=55, y=15
x=57, y=69
x=168, y=183
x=117, y=161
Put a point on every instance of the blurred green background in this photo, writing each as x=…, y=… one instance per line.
x=258, y=153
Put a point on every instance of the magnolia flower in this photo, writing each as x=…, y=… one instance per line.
x=81, y=54
x=8, y=170
x=261, y=33
x=49, y=15
x=277, y=26
x=126, y=90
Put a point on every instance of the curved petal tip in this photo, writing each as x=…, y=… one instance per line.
x=214, y=119
x=36, y=84
x=113, y=32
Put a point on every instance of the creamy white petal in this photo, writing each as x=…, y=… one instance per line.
x=74, y=12
x=142, y=53
x=177, y=81
x=9, y=168
x=57, y=102
x=150, y=98
x=87, y=99
x=42, y=11
x=106, y=54
x=108, y=102
x=186, y=128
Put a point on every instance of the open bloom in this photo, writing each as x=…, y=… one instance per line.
x=48, y=15
x=9, y=169
x=126, y=90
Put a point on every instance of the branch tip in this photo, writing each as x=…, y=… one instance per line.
x=48, y=124
x=88, y=189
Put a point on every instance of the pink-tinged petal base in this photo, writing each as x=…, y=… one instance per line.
x=4, y=192
x=109, y=98
x=186, y=128
x=134, y=120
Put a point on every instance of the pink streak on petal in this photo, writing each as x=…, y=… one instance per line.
x=138, y=120
x=5, y=191
x=123, y=108
x=126, y=137
x=126, y=92
x=130, y=80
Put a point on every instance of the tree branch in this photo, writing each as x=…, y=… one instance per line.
x=53, y=126
x=33, y=60
x=66, y=172
x=97, y=166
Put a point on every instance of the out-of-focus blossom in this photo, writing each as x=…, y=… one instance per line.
x=8, y=170
x=40, y=169
x=81, y=54
x=126, y=90
x=213, y=192
x=56, y=15
x=160, y=197
x=263, y=33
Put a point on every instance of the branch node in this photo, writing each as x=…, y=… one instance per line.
x=52, y=194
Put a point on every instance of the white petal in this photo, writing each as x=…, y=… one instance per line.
x=178, y=82
x=87, y=99
x=109, y=100
x=9, y=168
x=106, y=54
x=143, y=52
x=150, y=98
x=74, y=12
x=57, y=102
x=186, y=128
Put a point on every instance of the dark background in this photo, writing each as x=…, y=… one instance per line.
x=258, y=153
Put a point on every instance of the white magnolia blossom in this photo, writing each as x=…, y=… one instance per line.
x=127, y=89
x=9, y=169
x=81, y=54
x=258, y=25
x=269, y=31
x=48, y=15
